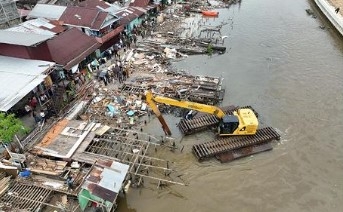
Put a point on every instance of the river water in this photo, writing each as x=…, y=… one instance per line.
x=291, y=71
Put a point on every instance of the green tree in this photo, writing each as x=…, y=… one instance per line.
x=209, y=49
x=9, y=126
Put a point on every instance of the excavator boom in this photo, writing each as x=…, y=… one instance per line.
x=151, y=99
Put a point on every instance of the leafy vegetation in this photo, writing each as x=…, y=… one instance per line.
x=9, y=126
x=209, y=50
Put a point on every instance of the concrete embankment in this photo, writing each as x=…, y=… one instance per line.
x=329, y=11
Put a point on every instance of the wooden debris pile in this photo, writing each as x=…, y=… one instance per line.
x=113, y=108
x=174, y=84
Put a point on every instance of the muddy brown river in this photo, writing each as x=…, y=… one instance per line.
x=290, y=70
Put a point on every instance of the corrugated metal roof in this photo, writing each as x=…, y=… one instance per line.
x=22, y=38
x=101, y=5
x=26, y=74
x=84, y=17
x=48, y=11
x=39, y=26
x=71, y=47
x=94, y=4
x=139, y=3
x=106, y=182
x=32, y=26
x=129, y=14
x=26, y=29
x=141, y=9
x=114, y=8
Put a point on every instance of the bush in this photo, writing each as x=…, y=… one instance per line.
x=209, y=50
x=9, y=126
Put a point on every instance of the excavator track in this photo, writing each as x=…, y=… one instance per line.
x=244, y=152
x=228, y=144
x=206, y=121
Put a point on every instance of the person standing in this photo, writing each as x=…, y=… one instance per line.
x=33, y=102
x=120, y=76
x=115, y=50
x=35, y=117
x=116, y=71
x=337, y=9
x=134, y=37
x=124, y=74
x=70, y=182
x=42, y=116
x=127, y=70
x=105, y=79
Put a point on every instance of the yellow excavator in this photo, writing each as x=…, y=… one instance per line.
x=242, y=122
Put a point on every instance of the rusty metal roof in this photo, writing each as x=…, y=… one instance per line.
x=71, y=47
x=139, y=3
x=84, y=17
x=106, y=181
x=129, y=14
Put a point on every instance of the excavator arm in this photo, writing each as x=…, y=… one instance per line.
x=152, y=100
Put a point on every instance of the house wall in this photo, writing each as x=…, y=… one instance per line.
x=134, y=22
x=109, y=43
x=14, y=51
x=83, y=202
x=40, y=52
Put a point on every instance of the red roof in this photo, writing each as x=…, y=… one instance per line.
x=71, y=47
x=139, y=3
x=94, y=4
x=85, y=17
x=128, y=15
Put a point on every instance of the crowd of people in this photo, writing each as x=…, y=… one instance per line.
x=39, y=112
x=118, y=70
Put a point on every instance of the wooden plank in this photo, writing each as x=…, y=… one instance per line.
x=102, y=130
x=4, y=184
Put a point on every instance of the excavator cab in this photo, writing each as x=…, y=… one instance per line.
x=242, y=122
x=228, y=125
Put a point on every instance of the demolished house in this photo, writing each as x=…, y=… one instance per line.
x=102, y=185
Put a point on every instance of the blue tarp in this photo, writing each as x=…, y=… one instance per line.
x=130, y=113
x=25, y=173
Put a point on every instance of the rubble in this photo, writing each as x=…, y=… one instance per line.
x=178, y=33
x=122, y=106
x=103, y=130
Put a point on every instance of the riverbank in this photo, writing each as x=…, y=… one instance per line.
x=329, y=8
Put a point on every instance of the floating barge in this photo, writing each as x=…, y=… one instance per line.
x=229, y=148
